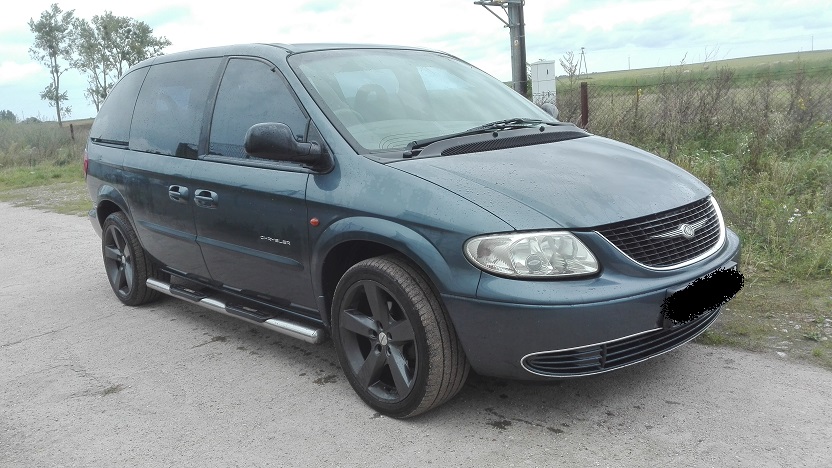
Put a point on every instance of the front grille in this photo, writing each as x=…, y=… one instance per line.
x=611, y=355
x=637, y=237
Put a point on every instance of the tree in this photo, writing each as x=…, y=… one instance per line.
x=133, y=43
x=7, y=115
x=90, y=58
x=107, y=46
x=570, y=67
x=52, y=45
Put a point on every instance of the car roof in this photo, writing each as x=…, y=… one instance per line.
x=309, y=47
x=255, y=48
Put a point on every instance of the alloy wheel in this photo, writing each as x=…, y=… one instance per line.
x=118, y=260
x=379, y=342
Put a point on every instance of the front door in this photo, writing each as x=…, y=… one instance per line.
x=250, y=213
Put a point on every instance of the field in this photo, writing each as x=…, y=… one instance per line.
x=817, y=62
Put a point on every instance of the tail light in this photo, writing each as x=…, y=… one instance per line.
x=86, y=163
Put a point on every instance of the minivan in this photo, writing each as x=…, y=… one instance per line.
x=419, y=212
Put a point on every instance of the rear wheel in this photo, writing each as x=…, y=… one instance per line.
x=394, y=340
x=128, y=266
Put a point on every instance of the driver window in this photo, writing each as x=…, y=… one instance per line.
x=251, y=92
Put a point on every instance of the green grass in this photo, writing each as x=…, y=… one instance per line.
x=782, y=210
x=42, y=174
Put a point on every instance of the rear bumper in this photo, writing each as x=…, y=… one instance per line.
x=534, y=340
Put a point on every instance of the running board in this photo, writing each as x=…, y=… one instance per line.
x=281, y=325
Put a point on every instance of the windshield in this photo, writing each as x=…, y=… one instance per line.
x=381, y=100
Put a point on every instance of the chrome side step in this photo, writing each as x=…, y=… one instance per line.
x=282, y=325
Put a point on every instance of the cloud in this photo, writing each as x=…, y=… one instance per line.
x=320, y=6
x=168, y=15
x=608, y=16
x=807, y=17
x=12, y=71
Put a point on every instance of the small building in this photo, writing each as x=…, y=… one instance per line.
x=543, y=82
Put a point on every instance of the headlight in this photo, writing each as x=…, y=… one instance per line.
x=531, y=255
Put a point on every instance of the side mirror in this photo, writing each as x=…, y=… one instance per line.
x=277, y=142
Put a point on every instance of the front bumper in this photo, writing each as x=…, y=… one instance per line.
x=574, y=328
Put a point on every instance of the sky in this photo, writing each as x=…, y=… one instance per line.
x=615, y=35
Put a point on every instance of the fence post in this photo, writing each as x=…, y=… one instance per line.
x=584, y=105
x=72, y=132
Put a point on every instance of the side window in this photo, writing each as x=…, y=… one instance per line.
x=112, y=124
x=171, y=105
x=251, y=92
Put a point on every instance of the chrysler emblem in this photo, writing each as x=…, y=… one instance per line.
x=688, y=231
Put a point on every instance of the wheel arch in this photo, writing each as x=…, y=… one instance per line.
x=109, y=200
x=349, y=241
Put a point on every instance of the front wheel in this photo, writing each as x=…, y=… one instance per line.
x=394, y=340
x=125, y=261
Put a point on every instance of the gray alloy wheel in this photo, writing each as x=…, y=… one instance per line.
x=125, y=261
x=394, y=340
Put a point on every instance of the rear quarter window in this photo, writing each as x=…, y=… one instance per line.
x=112, y=124
x=171, y=106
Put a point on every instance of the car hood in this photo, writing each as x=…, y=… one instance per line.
x=579, y=183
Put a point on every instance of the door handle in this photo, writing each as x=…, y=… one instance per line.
x=178, y=193
x=205, y=198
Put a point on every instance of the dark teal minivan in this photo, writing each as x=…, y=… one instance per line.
x=420, y=213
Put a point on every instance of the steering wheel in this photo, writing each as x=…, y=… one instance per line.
x=370, y=97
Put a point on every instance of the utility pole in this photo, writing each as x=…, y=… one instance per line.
x=517, y=32
x=582, y=61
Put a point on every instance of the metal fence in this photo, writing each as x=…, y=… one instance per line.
x=775, y=108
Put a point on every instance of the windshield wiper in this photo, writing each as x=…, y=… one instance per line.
x=517, y=122
x=506, y=124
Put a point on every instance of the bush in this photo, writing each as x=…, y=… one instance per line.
x=7, y=115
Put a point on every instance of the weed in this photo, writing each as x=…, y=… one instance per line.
x=715, y=339
x=812, y=336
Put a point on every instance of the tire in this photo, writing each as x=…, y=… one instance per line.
x=127, y=265
x=394, y=340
